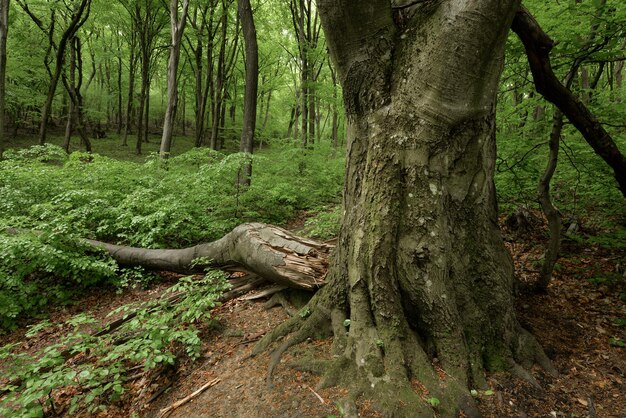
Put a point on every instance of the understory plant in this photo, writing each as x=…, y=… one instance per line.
x=93, y=369
x=50, y=201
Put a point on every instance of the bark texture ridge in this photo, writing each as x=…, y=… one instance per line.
x=421, y=286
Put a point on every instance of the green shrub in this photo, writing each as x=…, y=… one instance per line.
x=158, y=335
x=194, y=198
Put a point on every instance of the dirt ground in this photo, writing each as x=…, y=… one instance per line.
x=576, y=323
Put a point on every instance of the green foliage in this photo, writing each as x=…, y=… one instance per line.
x=305, y=313
x=158, y=335
x=193, y=199
x=434, y=402
x=621, y=322
x=586, y=32
x=324, y=224
x=608, y=279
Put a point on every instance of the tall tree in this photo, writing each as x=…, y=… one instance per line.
x=132, y=72
x=225, y=65
x=79, y=12
x=4, y=30
x=73, y=87
x=252, y=86
x=421, y=271
x=148, y=20
x=201, y=61
x=307, y=28
x=177, y=27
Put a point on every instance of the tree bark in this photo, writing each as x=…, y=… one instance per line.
x=177, y=28
x=251, y=89
x=420, y=271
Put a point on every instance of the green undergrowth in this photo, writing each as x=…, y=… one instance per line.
x=95, y=371
x=323, y=224
x=50, y=201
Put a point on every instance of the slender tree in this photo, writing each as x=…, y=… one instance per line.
x=78, y=16
x=252, y=85
x=177, y=25
x=73, y=88
x=4, y=30
x=538, y=46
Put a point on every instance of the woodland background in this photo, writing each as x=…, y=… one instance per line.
x=101, y=176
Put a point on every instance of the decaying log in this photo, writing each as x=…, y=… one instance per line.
x=264, y=250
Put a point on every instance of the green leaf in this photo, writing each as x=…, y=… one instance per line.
x=434, y=402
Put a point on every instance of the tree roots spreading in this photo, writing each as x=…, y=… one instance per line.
x=394, y=371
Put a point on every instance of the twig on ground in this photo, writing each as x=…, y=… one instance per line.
x=316, y=394
x=166, y=411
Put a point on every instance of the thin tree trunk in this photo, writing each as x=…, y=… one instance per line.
x=335, y=127
x=552, y=213
x=177, y=28
x=4, y=30
x=252, y=84
x=119, y=114
x=132, y=69
x=142, y=102
x=218, y=100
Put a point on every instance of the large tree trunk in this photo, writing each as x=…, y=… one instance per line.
x=421, y=270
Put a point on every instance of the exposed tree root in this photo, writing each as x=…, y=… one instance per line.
x=394, y=372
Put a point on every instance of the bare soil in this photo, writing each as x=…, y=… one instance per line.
x=575, y=321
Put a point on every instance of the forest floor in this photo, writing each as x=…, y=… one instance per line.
x=577, y=321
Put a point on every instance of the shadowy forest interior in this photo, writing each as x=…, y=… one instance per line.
x=314, y=208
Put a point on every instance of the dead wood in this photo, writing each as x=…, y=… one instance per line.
x=175, y=405
x=264, y=250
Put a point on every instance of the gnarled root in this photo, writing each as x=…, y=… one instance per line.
x=392, y=369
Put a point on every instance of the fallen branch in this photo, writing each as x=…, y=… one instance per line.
x=166, y=411
x=264, y=250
